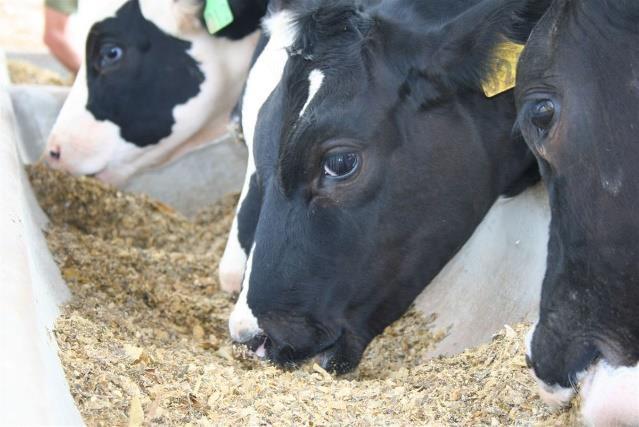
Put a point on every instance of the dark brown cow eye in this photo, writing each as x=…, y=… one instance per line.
x=542, y=114
x=340, y=165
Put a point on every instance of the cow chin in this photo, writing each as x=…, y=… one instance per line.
x=334, y=348
x=291, y=342
x=112, y=177
x=80, y=154
x=343, y=356
x=109, y=160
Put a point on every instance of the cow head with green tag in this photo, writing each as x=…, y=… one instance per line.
x=160, y=78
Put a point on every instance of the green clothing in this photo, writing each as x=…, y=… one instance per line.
x=64, y=6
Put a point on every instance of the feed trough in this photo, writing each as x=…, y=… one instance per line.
x=129, y=346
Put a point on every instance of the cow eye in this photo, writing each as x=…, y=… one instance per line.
x=542, y=114
x=110, y=55
x=340, y=165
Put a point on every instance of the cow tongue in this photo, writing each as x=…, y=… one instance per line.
x=261, y=350
x=258, y=346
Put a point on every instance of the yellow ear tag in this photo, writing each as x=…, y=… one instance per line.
x=504, y=69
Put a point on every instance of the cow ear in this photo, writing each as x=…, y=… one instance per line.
x=470, y=45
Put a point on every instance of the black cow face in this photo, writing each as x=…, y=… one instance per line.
x=578, y=101
x=154, y=84
x=374, y=163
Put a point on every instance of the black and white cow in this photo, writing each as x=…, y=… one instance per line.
x=375, y=154
x=578, y=101
x=155, y=84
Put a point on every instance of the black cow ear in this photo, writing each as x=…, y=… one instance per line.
x=470, y=45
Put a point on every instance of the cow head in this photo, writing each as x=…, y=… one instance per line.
x=578, y=102
x=154, y=84
x=375, y=154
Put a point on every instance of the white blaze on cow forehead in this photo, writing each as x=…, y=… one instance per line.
x=315, y=79
x=243, y=324
x=263, y=79
x=267, y=70
x=611, y=395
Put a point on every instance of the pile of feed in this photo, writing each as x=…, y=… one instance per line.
x=23, y=72
x=144, y=339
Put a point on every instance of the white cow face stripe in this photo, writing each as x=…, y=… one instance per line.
x=315, y=79
x=262, y=81
x=242, y=323
x=267, y=71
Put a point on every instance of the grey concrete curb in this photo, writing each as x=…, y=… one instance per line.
x=33, y=388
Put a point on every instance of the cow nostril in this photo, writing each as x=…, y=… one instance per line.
x=55, y=153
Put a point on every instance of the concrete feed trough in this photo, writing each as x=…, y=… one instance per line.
x=33, y=390
x=494, y=280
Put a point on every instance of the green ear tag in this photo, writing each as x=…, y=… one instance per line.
x=217, y=15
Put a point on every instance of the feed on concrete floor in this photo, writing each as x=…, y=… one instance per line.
x=23, y=72
x=144, y=338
